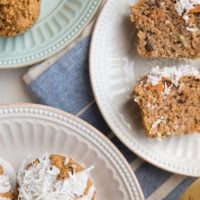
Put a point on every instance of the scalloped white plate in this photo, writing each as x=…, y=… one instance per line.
x=33, y=129
x=59, y=23
x=115, y=67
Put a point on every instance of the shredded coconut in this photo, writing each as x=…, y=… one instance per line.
x=171, y=73
x=5, y=184
x=167, y=89
x=183, y=7
x=40, y=182
x=167, y=22
x=192, y=29
x=148, y=105
x=159, y=121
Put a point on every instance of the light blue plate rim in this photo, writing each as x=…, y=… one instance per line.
x=61, y=43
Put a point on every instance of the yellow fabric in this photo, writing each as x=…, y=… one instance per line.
x=193, y=192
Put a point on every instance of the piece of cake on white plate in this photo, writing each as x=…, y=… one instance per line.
x=167, y=28
x=169, y=100
x=7, y=181
x=55, y=177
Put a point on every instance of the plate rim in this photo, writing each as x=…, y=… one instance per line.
x=103, y=109
x=43, y=110
x=58, y=49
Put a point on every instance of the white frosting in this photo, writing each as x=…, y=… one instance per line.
x=5, y=184
x=172, y=73
x=40, y=182
x=183, y=7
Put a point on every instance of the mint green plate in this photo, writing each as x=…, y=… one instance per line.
x=59, y=23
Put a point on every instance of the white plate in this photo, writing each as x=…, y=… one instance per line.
x=115, y=67
x=30, y=129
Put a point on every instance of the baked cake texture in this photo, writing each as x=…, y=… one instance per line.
x=169, y=100
x=6, y=190
x=16, y=16
x=55, y=177
x=167, y=28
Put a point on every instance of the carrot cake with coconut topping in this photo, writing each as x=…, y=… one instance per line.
x=6, y=188
x=169, y=100
x=167, y=28
x=55, y=177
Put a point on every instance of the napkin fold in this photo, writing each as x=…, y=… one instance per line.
x=65, y=84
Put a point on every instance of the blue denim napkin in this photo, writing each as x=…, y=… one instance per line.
x=66, y=84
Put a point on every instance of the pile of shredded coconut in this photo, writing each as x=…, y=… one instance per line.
x=40, y=182
x=183, y=7
x=5, y=185
x=172, y=73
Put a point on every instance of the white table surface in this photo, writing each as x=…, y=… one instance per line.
x=12, y=87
